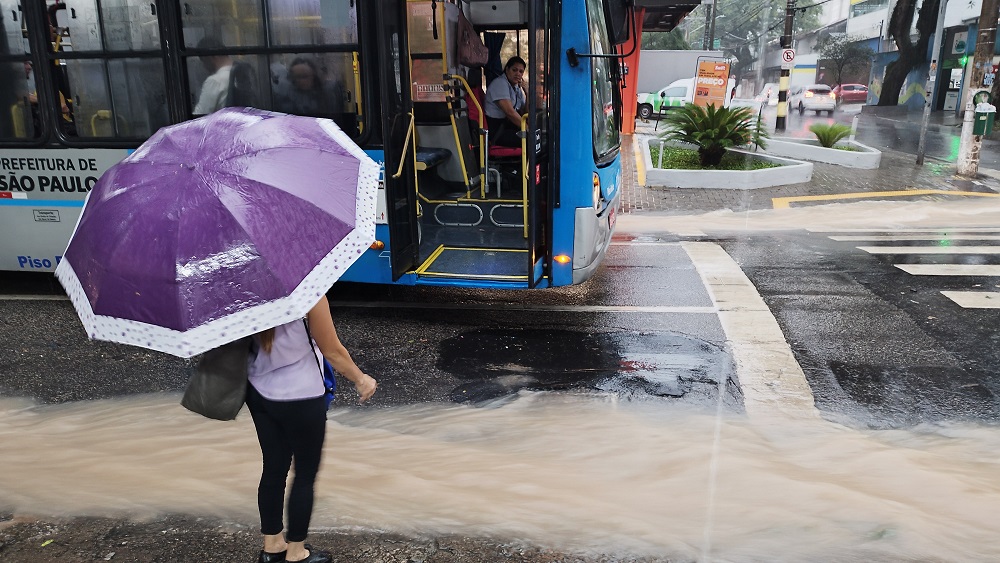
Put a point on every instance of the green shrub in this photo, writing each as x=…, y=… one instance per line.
x=713, y=130
x=828, y=135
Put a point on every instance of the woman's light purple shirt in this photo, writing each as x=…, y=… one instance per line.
x=289, y=372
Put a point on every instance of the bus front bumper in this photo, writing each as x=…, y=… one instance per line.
x=591, y=239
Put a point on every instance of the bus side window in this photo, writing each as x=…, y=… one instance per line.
x=319, y=85
x=116, y=92
x=221, y=80
x=18, y=103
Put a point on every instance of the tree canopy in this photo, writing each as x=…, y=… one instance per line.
x=671, y=40
x=739, y=25
x=844, y=54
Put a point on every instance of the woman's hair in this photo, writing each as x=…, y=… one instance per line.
x=266, y=339
x=317, y=81
x=514, y=60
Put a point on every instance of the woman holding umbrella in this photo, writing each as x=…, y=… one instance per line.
x=214, y=205
x=285, y=398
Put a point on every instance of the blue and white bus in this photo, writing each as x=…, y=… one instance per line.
x=83, y=82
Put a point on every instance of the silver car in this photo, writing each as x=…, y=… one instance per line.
x=813, y=97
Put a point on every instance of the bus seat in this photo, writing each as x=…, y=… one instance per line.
x=505, y=152
x=19, y=119
x=429, y=157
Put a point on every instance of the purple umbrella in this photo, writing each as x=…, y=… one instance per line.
x=217, y=228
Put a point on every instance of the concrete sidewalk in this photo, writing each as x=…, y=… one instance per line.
x=898, y=173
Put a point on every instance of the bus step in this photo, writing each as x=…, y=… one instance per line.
x=507, y=264
x=507, y=215
x=458, y=214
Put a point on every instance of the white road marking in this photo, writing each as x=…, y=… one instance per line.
x=772, y=381
x=931, y=249
x=915, y=230
x=644, y=243
x=913, y=237
x=974, y=299
x=950, y=269
x=527, y=307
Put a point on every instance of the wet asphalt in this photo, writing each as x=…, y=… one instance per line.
x=879, y=348
x=619, y=333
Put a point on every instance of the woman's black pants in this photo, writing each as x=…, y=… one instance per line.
x=287, y=430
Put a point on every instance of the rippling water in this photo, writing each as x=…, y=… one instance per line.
x=569, y=471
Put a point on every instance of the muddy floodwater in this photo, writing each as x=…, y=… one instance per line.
x=574, y=471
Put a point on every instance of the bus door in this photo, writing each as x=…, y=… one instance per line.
x=400, y=191
x=539, y=212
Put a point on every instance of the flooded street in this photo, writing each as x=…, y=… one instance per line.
x=751, y=386
x=574, y=471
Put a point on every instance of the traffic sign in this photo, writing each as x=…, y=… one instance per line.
x=787, y=58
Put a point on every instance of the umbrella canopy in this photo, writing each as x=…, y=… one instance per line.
x=217, y=228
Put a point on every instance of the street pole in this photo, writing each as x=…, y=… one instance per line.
x=761, y=47
x=931, y=80
x=709, y=7
x=969, y=144
x=715, y=14
x=786, y=43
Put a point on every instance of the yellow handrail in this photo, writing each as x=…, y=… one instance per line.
x=406, y=144
x=482, y=134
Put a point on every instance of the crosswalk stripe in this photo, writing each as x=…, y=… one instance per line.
x=975, y=299
x=931, y=249
x=950, y=269
x=877, y=238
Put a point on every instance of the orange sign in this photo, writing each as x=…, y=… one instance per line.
x=711, y=83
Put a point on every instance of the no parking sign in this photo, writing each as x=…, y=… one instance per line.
x=788, y=58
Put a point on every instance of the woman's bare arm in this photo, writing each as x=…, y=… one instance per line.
x=325, y=335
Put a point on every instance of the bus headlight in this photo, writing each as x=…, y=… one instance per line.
x=597, y=192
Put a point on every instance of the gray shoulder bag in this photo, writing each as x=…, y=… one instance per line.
x=218, y=387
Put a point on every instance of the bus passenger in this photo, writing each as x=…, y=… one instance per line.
x=216, y=87
x=306, y=94
x=505, y=103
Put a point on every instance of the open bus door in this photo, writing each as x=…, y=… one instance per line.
x=539, y=200
x=400, y=192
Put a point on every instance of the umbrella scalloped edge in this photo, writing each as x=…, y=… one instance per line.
x=212, y=334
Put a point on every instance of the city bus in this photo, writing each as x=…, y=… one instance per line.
x=84, y=82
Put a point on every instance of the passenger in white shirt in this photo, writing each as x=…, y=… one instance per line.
x=216, y=86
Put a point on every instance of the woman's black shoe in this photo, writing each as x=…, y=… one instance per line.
x=266, y=557
x=316, y=556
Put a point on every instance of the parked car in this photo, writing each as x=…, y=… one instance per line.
x=813, y=97
x=851, y=94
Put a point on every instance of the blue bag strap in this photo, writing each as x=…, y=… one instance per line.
x=322, y=374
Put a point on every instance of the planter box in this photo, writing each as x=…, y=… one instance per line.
x=790, y=172
x=810, y=149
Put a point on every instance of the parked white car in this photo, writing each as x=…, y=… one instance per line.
x=812, y=97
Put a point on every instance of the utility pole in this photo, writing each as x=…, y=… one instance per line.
x=969, y=144
x=709, y=10
x=786, y=43
x=931, y=80
x=762, y=46
x=715, y=14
